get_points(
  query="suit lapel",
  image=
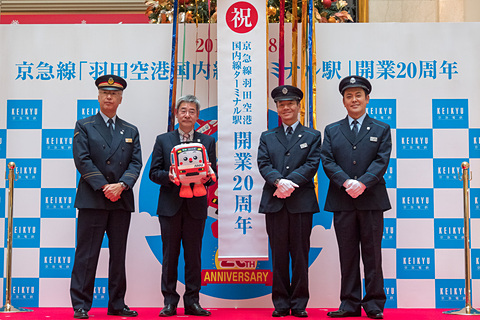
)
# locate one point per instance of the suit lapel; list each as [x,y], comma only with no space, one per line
[196,137]
[118,135]
[347,132]
[102,128]
[366,125]
[280,133]
[297,134]
[175,138]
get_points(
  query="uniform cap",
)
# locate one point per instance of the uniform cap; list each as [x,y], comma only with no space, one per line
[354,82]
[111,82]
[286,92]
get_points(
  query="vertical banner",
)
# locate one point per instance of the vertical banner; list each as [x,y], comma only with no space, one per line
[242,116]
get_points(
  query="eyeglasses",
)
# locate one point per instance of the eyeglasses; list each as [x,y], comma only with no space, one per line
[185,111]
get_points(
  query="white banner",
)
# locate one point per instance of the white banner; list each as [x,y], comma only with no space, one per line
[425,83]
[242,92]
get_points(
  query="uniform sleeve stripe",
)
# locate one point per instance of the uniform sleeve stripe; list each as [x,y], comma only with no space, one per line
[300,175]
[372,175]
[269,173]
[379,125]
[337,172]
[87,176]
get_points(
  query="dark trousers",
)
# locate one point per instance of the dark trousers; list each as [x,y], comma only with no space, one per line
[183,229]
[289,237]
[363,230]
[91,227]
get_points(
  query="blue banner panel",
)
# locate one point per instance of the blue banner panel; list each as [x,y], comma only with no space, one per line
[25,233]
[100,293]
[390,287]
[24,114]
[475,260]
[449,233]
[57,143]
[384,110]
[474,143]
[390,175]
[475,203]
[415,143]
[28,172]
[87,108]
[415,203]
[25,292]
[58,203]
[450,113]
[449,293]
[56,262]
[3,202]
[447,173]
[389,239]
[415,263]
[3,143]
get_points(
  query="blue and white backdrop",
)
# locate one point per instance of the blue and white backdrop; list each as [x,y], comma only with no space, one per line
[425,85]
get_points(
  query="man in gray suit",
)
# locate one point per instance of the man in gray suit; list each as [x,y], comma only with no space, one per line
[355,155]
[182,220]
[106,151]
[288,159]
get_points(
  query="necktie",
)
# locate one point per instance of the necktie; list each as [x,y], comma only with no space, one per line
[289,133]
[186,137]
[355,128]
[110,126]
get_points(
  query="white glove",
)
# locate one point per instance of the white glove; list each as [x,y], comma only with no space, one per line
[348,183]
[285,188]
[285,185]
[355,188]
[279,194]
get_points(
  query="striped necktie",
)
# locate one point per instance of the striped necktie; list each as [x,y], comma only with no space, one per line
[110,126]
[289,133]
[355,128]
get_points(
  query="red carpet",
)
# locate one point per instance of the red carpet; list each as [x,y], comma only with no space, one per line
[224,313]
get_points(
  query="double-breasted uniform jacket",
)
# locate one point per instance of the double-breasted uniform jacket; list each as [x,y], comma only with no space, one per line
[297,160]
[102,159]
[169,200]
[364,158]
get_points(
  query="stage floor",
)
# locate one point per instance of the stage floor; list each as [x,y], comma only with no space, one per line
[225,313]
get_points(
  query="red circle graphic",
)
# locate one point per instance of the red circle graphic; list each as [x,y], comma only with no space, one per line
[241,17]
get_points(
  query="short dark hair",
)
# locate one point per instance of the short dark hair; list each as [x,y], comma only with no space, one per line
[189,98]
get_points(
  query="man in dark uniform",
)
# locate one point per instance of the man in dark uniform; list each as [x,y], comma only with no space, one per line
[288,159]
[182,220]
[355,155]
[106,151]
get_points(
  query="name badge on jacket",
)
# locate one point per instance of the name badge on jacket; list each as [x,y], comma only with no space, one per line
[373,139]
[128,140]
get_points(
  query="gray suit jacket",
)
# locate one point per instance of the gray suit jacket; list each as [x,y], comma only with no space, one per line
[297,160]
[101,160]
[364,158]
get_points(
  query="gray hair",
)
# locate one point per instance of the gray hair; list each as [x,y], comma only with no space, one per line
[189,98]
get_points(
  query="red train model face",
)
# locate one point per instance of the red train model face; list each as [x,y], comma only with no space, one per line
[190,162]
[190,158]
